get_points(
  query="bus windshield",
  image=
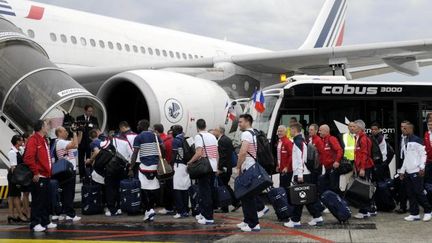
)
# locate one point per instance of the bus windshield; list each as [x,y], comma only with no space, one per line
[262,120]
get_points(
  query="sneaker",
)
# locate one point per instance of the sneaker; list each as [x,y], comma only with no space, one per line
[263,212]
[316,221]
[427,217]
[292,224]
[119,212]
[61,217]
[39,228]
[248,229]
[51,226]
[205,221]
[164,211]
[327,211]
[241,225]
[54,217]
[199,216]
[108,213]
[362,215]
[74,219]
[373,213]
[149,215]
[411,218]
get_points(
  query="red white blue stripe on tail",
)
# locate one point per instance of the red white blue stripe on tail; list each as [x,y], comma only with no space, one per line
[6,8]
[258,98]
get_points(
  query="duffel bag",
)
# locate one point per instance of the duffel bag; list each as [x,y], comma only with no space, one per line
[22,175]
[62,170]
[252,181]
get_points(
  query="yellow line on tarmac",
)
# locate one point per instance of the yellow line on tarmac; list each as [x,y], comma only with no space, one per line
[66,241]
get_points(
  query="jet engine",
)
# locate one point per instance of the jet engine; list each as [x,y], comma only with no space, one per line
[163,97]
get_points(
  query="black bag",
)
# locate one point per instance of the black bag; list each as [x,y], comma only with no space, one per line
[22,175]
[345,167]
[264,152]
[103,157]
[375,152]
[252,181]
[188,150]
[117,167]
[223,195]
[336,205]
[279,199]
[312,158]
[201,167]
[55,199]
[359,192]
[390,153]
[62,170]
[383,197]
[130,195]
[194,198]
[302,194]
[91,199]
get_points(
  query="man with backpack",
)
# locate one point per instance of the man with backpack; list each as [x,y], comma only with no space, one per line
[383,150]
[314,146]
[330,157]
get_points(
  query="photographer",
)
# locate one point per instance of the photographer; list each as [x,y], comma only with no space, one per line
[67,149]
[87,122]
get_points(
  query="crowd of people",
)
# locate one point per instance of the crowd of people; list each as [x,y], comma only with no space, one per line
[82,147]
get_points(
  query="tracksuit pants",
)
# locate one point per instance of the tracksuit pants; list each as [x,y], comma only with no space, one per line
[167,189]
[112,193]
[207,194]
[68,196]
[249,207]
[83,153]
[285,179]
[40,201]
[367,208]
[416,195]
[182,201]
[313,208]
[148,199]
[428,173]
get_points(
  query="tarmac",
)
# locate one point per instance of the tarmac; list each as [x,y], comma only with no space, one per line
[386,227]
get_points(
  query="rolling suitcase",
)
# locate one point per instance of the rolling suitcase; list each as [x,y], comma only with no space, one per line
[55,202]
[383,196]
[279,199]
[130,196]
[336,205]
[91,199]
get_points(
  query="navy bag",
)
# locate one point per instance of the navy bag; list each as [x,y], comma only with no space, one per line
[194,198]
[62,170]
[55,202]
[223,195]
[383,196]
[234,159]
[279,199]
[252,181]
[91,199]
[336,205]
[130,195]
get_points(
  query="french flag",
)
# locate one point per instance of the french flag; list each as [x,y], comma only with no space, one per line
[258,98]
[231,113]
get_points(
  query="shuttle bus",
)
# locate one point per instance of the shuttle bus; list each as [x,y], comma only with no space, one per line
[336,101]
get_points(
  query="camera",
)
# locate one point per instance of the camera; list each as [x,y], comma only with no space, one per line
[72,126]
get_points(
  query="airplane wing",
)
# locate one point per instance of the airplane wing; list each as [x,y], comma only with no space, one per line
[359,60]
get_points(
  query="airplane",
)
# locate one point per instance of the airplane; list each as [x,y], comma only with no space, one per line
[142,71]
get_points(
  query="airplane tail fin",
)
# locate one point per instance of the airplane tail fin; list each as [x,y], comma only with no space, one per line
[328,29]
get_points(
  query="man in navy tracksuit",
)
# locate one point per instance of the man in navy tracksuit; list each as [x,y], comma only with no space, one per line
[412,171]
[301,175]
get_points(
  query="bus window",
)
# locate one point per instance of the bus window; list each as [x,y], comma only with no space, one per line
[262,120]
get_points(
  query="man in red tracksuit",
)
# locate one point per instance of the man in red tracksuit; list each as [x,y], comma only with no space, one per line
[37,157]
[428,145]
[363,161]
[284,157]
[330,156]
[317,141]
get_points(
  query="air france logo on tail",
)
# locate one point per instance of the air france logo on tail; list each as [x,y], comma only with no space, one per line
[6,9]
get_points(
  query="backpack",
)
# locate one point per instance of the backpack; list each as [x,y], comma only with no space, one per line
[264,152]
[375,152]
[390,153]
[101,160]
[188,150]
[312,158]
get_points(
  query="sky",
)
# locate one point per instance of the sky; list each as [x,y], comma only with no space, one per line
[274,24]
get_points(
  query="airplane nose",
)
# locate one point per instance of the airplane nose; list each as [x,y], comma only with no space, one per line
[32,87]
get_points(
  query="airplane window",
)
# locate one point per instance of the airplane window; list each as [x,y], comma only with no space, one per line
[157,52]
[196,56]
[102,44]
[73,39]
[63,38]
[31,33]
[150,51]
[202,56]
[184,56]
[127,47]
[171,54]
[119,46]
[110,45]
[164,53]
[92,42]
[53,37]
[83,41]
[135,48]
[178,55]
[142,50]
[21,30]
[190,56]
